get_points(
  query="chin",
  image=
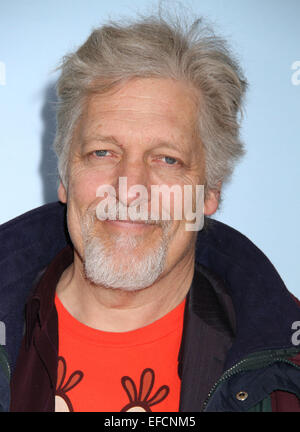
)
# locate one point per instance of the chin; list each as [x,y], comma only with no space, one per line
[128,270]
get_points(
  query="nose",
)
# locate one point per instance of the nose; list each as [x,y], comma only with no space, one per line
[133,183]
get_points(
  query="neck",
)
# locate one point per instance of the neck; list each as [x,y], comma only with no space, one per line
[118,310]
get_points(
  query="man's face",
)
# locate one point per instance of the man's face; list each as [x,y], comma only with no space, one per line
[144,131]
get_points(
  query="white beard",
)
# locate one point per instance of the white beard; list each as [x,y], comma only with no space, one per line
[135,269]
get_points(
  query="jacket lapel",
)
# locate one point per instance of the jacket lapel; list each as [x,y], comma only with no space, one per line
[208,334]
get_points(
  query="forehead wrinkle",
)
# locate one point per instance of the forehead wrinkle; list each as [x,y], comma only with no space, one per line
[162,107]
[103,110]
[134,114]
[90,133]
[109,139]
[98,121]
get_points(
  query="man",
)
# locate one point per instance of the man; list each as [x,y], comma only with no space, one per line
[126,309]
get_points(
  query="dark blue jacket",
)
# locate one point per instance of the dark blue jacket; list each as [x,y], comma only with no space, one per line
[258,362]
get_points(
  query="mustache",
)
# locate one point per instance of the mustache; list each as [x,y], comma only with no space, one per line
[98,213]
[132,213]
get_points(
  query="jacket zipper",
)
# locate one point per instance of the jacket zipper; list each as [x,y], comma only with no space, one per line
[254,361]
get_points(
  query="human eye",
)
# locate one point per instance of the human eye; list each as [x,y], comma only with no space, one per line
[101,157]
[167,161]
[170,160]
[101,153]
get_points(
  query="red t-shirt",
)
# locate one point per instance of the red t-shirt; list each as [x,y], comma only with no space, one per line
[111,372]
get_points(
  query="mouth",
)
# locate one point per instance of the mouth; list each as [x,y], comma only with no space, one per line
[131,225]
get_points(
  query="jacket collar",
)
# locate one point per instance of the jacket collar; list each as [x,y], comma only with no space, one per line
[208,334]
[208,329]
[264,308]
[41,305]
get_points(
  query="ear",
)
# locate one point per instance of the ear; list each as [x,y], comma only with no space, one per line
[62,193]
[212,200]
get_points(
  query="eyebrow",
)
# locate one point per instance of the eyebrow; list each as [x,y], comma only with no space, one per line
[107,139]
[110,139]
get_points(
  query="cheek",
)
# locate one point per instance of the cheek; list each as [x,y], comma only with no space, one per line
[181,243]
[81,197]
[83,188]
[177,202]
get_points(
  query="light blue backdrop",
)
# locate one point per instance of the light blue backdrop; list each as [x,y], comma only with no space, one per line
[263,199]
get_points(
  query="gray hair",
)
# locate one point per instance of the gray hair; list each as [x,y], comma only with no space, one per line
[157,46]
